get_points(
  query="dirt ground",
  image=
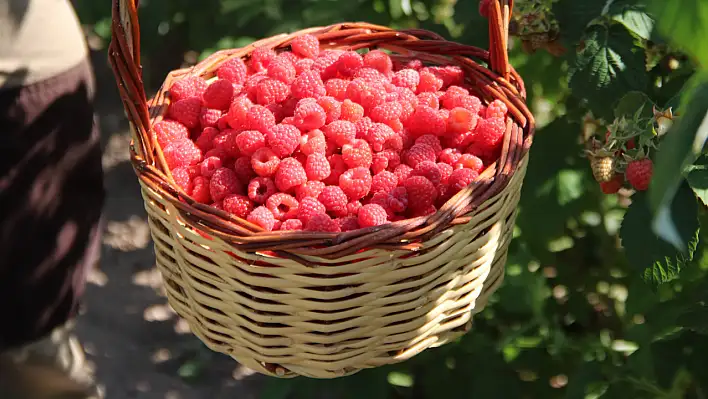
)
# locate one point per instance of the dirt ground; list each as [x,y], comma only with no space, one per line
[135,341]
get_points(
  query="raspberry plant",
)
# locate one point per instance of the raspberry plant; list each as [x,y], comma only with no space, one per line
[605,293]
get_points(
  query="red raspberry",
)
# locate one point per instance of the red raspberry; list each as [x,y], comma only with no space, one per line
[469,161]
[282,70]
[261,57]
[337,88]
[419,153]
[205,140]
[370,75]
[384,181]
[183,179]
[608,187]
[312,189]
[219,94]
[429,170]
[453,91]
[313,143]
[278,112]
[449,74]
[429,99]
[290,174]
[378,135]
[264,162]
[260,189]
[407,78]
[426,120]
[309,115]
[429,82]
[262,217]
[238,205]
[191,86]
[224,182]
[167,131]
[489,133]
[324,63]
[308,84]
[353,207]
[461,120]
[271,91]
[238,111]
[250,88]
[259,118]
[181,153]
[209,165]
[282,206]
[317,167]
[431,141]
[186,111]
[340,132]
[322,222]
[497,109]
[362,127]
[332,108]
[283,139]
[366,94]
[243,169]
[226,143]
[234,70]
[200,190]
[379,163]
[349,63]
[459,140]
[303,65]
[357,153]
[471,103]
[289,57]
[348,223]
[402,172]
[378,60]
[351,111]
[250,141]
[372,215]
[337,167]
[291,225]
[335,200]
[387,112]
[214,152]
[484,8]
[398,199]
[445,172]
[309,207]
[306,46]
[421,192]
[461,178]
[209,117]
[639,173]
[356,182]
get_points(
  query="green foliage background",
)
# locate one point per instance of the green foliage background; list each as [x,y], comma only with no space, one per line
[598,300]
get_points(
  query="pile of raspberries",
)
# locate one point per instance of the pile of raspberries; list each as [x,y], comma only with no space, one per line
[327,140]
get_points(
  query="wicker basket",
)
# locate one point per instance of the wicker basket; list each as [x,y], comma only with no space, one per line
[325,305]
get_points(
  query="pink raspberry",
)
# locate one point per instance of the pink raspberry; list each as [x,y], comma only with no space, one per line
[243,169]
[277,110]
[348,223]
[291,225]
[191,86]
[335,200]
[262,217]
[183,179]
[309,115]
[313,142]
[429,99]
[402,172]
[322,222]
[250,141]
[387,112]
[384,181]
[186,111]
[303,65]
[419,153]
[421,192]
[311,188]
[349,63]
[357,153]
[365,93]
[372,215]
[353,207]
[181,153]
[205,140]
[332,108]
[429,170]
[282,70]
[489,133]
[282,206]
[378,135]
[356,182]
[226,143]
[471,103]
[200,190]
[337,88]
[426,120]
[393,158]
[351,111]
[224,182]
[271,91]
[398,199]
[378,60]
[167,131]
[260,189]
[429,82]
[308,85]
[337,167]
[461,178]
[234,70]
[209,117]
[497,109]
[449,74]
[362,127]
[238,112]
[407,78]
[459,140]
[238,205]
[469,161]
[317,167]
[289,57]
[214,152]
[219,94]
[461,120]
[309,207]
[259,118]
[324,63]
[264,162]
[209,165]
[379,163]
[445,171]
[306,46]
[370,75]
[340,132]
[430,140]
[250,88]
[283,139]
[290,174]
[261,58]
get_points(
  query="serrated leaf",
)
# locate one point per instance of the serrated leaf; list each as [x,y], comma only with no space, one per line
[698,179]
[574,17]
[657,259]
[685,22]
[637,21]
[628,105]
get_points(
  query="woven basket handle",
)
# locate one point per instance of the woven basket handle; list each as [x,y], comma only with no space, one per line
[499,18]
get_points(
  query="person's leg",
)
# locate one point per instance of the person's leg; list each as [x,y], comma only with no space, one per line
[51,196]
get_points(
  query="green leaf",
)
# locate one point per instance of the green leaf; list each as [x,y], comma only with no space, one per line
[637,21]
[685,22]
[698,179]
[628,105]
[400,379]
[574,17]
[658,260]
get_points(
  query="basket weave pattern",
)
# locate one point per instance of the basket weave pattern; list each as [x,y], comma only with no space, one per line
[325,305]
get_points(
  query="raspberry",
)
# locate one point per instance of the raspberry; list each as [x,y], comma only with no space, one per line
[362,127]
[407,78]
[181,153]
[324,63]
[356,182]
[471,103]
[250,88]
[387,112]
[260,189]
[426,120]
[264,162]
[243,169]
[250,141]
[261,58]
[461,120]
[429,170]
[379,163]
[461,178]
[340,132]
[489,133]
[205,140]
[219,94]
[484,8]
[308,84]
[238,111]
[414,64]
[309,207]
[209,117]
[313,143]
[183,178]
[393,158]
[209,165]
[459,140]
[282,70]
[349,63]
[233,70]
[348,223]
[497,109]
[419,153]
[306,46]
[270,91]
[317,167]
[200,190]
[384,181]
[224,182]
[378,60]
[283,139]
[337,88]
[429,99]
[370,75]
[372,215]
[449,74]
[191,86]
[290,174]
[309,115]
[402,172]
[429,82]
[303,65]
[421,192]
[167,131]
[322,222]
[262,217]
[353,207]
[238,205]
[282,206]
[312,189]
[378,135]
[226,143]
[278,112]
[357,153]
[430,140]
[214,152]
[445,171]
[289,57]
[639,173]
[335,200]
[337,167]
[365,93]
[469,161]
[398,200]
[291,224]
[259,118]
[186,111]
[332,108]
[351,111]
[608,187]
